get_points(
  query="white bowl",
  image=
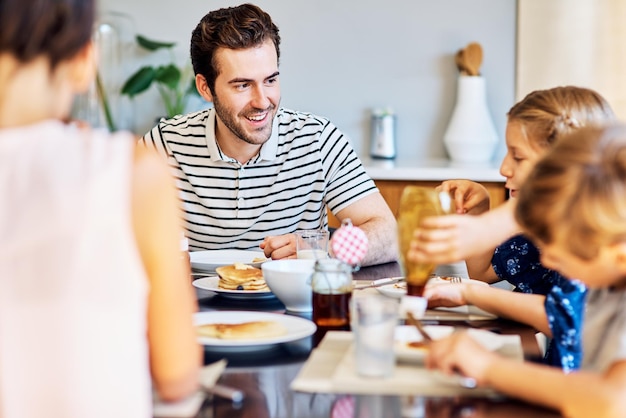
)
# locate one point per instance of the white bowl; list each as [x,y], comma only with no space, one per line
[290,281]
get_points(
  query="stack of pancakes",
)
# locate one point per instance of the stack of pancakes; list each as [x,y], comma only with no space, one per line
[241,277]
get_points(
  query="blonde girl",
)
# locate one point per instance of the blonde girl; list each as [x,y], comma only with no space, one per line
[554,305]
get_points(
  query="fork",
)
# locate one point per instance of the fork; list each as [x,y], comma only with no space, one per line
[455,279]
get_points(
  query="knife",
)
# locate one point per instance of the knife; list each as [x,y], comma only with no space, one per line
[382,282]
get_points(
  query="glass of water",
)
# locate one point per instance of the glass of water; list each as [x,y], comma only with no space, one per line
[312,244]
[374,322]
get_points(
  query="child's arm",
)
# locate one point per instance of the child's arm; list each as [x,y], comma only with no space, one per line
[521,307]
[578,394]
[497,226]
[452,238]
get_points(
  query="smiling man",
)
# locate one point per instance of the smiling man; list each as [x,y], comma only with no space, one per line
[249,172]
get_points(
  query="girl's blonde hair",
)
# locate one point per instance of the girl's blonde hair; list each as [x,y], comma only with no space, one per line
[576,194]
[546,115]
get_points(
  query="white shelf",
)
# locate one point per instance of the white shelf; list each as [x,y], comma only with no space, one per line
[430,170]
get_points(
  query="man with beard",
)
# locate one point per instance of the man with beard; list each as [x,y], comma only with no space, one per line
[249,172]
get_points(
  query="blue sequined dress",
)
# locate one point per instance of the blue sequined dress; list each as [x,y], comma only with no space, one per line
[517,261]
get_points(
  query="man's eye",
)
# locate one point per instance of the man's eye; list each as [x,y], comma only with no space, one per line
[272,80]
[241,86]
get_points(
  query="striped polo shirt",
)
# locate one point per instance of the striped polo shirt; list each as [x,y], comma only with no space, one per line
[306,165]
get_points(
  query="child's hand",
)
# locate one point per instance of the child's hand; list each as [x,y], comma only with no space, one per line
[445,294]
[469,196]
[460,353]
[445,239]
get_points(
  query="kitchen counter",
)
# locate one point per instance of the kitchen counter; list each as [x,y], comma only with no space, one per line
[430,170]
[392,176]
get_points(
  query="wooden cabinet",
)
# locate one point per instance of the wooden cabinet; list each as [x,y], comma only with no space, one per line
[391,191]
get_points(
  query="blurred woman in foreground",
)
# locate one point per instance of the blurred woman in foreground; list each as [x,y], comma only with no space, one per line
[95,302]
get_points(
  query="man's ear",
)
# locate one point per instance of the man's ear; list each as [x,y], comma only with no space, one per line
[84,67]
[203,88]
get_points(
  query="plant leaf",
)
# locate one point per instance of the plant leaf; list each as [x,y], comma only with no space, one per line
[153,45]
[191,89]
[139,81]
[168,75]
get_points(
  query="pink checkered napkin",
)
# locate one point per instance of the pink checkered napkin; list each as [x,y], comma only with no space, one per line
[343,407]
[349,243]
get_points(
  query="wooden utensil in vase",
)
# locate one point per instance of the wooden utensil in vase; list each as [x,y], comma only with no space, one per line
[459,59]
[473,58]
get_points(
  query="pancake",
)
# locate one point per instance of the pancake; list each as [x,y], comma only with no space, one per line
[419,345]
[241,277]
[243,331]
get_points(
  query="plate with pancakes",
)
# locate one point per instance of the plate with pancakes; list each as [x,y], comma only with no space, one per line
[249,330]
[209,260]
[239,281]
[409,345]
[397,290]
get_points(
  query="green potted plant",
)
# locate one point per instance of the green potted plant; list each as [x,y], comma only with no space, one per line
[175,85]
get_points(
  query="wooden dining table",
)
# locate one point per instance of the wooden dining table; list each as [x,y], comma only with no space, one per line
[265,376]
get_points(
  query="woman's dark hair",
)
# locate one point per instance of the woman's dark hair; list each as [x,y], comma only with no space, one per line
[57,29]
[241,27]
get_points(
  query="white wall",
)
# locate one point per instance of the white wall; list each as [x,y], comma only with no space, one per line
[578,42]
[341,58]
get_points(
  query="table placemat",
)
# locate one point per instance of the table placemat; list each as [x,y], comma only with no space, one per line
[331,369]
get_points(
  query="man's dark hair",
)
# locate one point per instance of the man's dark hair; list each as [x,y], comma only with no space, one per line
[241,27]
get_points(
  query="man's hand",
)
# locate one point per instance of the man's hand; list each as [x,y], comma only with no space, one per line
[279,246]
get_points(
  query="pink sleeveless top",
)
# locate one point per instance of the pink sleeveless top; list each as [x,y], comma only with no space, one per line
[72,286]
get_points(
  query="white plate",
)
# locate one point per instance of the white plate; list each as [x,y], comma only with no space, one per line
[211,283]
[209,260]
[397,290]
[394,290]
[407,333]
[297,328]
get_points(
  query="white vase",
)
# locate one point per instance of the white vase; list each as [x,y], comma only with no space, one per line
[470,136]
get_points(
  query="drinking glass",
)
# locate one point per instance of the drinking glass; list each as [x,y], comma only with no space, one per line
[417,203]
[312,244]
[374,322]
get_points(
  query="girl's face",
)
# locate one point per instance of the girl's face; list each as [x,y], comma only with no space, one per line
[605,270]
[520,157]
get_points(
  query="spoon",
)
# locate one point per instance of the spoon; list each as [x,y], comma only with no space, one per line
[473,55]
